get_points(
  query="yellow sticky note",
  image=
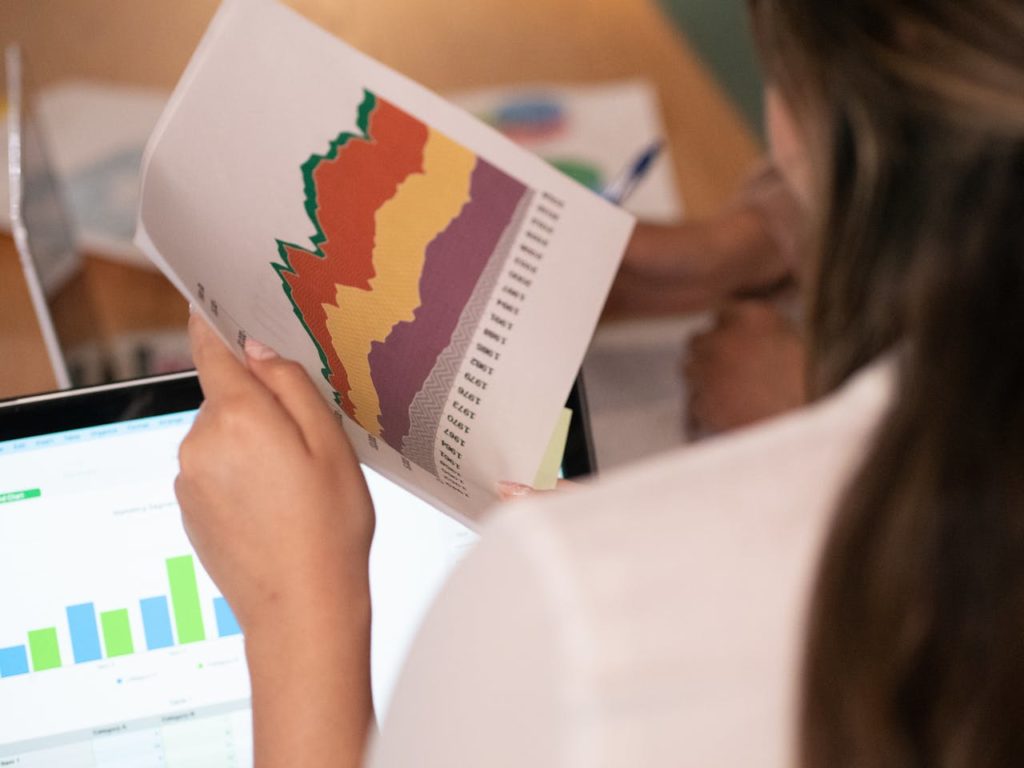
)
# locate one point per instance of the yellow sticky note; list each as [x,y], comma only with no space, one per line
[547,475]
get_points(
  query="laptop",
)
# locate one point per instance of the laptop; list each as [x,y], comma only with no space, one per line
[116,648]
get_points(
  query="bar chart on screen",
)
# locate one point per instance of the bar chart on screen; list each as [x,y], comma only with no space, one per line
[94,635]
[111,632]
[116,647]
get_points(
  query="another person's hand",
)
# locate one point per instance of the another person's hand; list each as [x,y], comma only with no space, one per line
[749,367]
[748,248]
[270,489]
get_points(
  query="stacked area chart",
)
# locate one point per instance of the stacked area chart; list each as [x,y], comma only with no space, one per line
[412,231]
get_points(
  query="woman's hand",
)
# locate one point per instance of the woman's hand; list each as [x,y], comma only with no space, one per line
[749,367]
[276,505]
[270,490]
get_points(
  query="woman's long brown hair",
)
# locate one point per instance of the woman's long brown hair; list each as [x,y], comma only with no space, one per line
[915,108]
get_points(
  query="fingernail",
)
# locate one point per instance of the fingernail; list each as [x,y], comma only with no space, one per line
[508,490]
[191,308]
[258,350]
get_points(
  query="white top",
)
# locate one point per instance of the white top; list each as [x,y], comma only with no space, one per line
[653,619]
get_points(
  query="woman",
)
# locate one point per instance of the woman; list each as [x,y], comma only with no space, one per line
[842,587]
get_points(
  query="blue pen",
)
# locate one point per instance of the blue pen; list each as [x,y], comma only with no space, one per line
[623,185]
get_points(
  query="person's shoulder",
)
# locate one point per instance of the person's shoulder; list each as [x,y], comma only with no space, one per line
[680,585]
[789,462]
[653,619]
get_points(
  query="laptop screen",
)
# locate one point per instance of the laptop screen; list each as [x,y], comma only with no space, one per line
[116,648]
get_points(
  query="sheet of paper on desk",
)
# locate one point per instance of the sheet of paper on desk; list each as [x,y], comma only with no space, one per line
[589,131]
[94,135]
[439,283]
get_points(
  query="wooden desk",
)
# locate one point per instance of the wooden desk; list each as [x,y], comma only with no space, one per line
[122,299]
[24,366]
[446,44]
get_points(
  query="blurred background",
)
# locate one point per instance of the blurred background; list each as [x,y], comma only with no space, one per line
[562,77]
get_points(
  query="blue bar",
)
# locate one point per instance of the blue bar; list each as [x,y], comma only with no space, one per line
[227,624]
[85,636]
[13,661]
[156,622]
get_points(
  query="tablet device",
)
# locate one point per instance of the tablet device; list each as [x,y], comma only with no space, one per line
[79,350]
[116,648]
[40,225]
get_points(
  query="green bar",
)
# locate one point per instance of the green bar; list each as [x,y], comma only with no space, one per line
[10,496]
[117,633]
[188,617]
[43,647]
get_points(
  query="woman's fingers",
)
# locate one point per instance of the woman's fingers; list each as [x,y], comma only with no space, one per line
[239,401]
[288,382]
[509,491]
[270,384]
[221,374]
